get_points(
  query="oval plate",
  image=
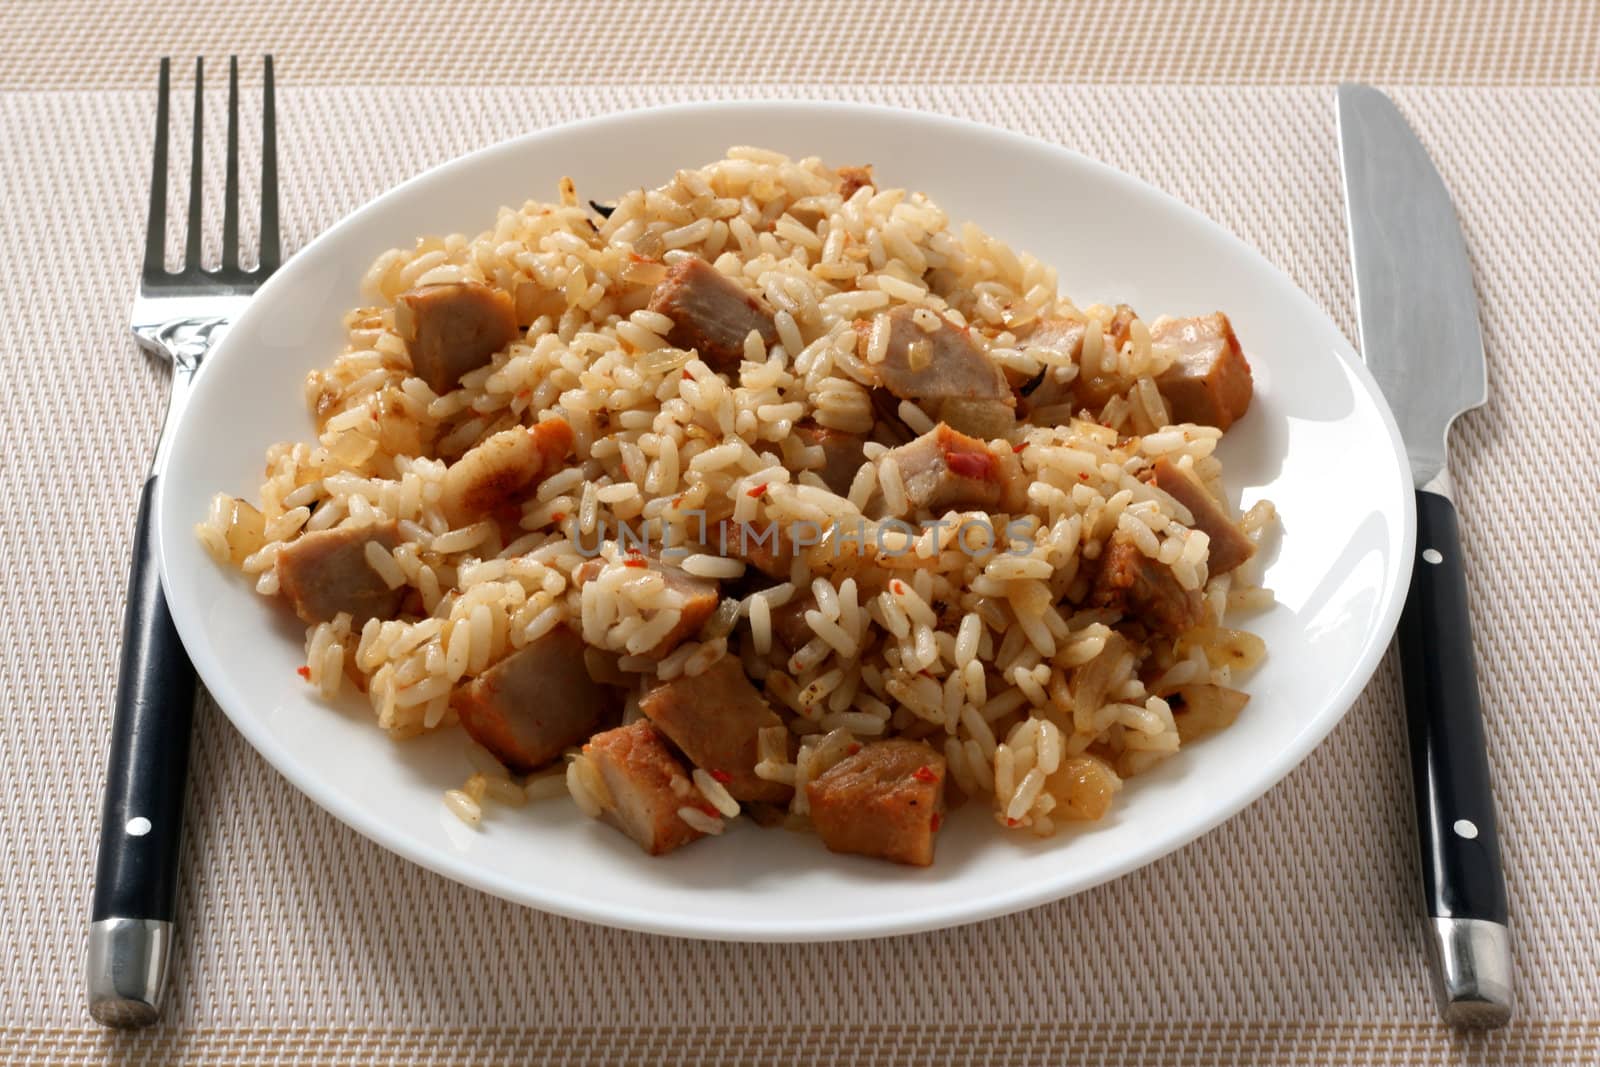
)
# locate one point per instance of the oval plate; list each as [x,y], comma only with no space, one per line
[1319,442]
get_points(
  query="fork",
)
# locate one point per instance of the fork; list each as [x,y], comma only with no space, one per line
[176,317]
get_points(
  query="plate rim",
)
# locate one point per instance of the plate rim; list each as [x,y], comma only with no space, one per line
[789,929]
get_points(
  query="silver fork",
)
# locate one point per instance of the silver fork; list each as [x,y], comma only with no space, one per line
[178,317]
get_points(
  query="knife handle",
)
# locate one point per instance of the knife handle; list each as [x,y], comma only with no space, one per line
[1463,886]
[136,870]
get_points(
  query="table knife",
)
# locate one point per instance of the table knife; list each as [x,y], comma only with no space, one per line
[1420,338]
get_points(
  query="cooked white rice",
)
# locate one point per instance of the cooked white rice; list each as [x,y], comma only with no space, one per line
[1039,707]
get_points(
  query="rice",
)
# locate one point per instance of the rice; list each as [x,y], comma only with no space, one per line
[995,648]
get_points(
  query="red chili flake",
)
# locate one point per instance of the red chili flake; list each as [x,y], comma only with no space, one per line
[635,561]
[934,823]
[855,746]
[304,672]
[758,492]
[1018,448]
[524,394]
[1013,822]
[707,807]
[688,377]
[898,586]
[559,516]
[925,774]
[1082,476]
[722,776]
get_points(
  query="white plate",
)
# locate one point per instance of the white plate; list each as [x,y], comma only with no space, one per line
[1318,441]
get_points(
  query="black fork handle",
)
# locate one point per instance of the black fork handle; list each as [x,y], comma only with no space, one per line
[141,825]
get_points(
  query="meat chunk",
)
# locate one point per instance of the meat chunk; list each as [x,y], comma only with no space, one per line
[853,178]
[1210,383]
[1229,546]
[945,468]
[1136,585]
[453,328]
[710,313]
[700,595]
[1064,336]
[503,470]
[645,786]
[842,454]
[887,800]
[326,571]
[790,631]
[715,718]
[945,372]
[1093,388]
[761,546]
[536,703]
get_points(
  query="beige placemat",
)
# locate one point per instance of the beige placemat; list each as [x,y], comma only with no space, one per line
[1286,936]
[60,44]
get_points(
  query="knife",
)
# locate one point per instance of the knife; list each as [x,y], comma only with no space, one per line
[1420,339]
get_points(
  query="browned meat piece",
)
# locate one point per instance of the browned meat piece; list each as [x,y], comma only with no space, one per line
[1136,585]
[453,328]
[710,313]
[325,572]
[841,454]
[715,718]
[887,800]
[1061,335]
[944,468]
[945,372]
[1210,383]
[646,785]
[761,545]
[503,470]
[700,596]
[853,178]
[790,631]
[537,702]
[1091,391]
[1229,546]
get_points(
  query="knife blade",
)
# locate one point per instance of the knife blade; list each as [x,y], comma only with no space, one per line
[1418,315]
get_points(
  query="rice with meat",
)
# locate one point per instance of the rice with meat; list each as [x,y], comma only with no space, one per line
[987,636]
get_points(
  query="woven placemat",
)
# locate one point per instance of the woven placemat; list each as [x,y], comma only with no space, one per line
[1286,936]
[59,44]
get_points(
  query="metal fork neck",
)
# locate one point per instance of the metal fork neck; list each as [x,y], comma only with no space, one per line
[185,341]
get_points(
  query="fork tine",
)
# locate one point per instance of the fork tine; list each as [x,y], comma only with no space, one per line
[270,250]
[191,256]
[230,195]
[155,239]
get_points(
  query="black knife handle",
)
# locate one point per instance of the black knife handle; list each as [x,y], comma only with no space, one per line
[1461,874]
[136,871]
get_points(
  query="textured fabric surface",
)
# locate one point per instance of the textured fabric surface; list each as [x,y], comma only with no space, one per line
[1288,935]
[57,44]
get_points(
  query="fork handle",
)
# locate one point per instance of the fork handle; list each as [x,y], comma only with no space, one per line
[141,824]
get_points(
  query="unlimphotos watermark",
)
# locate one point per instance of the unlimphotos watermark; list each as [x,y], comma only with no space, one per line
[890,537]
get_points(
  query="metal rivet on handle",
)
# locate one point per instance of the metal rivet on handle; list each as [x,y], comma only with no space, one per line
[1465,828]
[138,826]
[1432,555]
